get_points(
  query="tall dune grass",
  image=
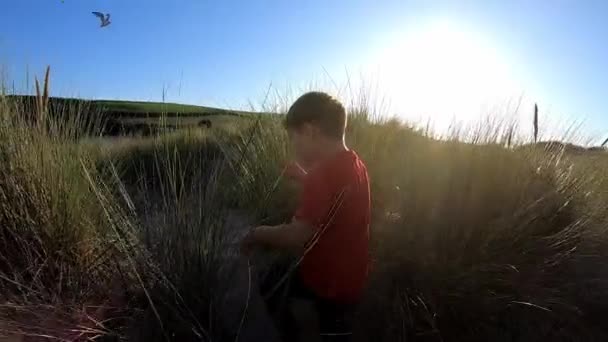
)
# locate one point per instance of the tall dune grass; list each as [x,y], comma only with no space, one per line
[472,241]
[56,253]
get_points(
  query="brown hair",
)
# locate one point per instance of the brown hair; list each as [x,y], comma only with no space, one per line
[321,110]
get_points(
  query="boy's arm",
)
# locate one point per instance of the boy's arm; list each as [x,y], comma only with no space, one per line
[316,201]
[291,236]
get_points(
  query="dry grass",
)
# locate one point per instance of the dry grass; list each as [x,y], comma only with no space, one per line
[56,250]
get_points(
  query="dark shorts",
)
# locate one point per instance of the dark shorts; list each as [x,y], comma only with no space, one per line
[335,319]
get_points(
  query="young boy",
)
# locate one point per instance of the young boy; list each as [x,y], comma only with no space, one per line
[329,232]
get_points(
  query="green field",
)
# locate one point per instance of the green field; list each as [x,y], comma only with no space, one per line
[152,107]
[156,109]
[135,117]
[136,238]
[114,108]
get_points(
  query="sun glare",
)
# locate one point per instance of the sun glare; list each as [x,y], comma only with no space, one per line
[443,72]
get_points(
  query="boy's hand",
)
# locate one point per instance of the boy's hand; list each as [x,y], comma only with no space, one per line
[255,238]
[289,237]
[248,243]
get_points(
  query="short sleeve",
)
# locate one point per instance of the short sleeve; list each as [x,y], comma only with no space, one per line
[318,195]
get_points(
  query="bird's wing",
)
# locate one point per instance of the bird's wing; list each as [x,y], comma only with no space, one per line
[98,15]
[108,16]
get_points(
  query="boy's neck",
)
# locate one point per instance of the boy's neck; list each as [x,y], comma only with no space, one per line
[332,147]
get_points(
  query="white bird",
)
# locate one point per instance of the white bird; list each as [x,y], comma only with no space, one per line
[105,19]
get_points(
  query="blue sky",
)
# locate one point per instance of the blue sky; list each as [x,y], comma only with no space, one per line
[228,52]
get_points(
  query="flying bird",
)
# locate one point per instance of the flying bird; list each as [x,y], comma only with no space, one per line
[105,18]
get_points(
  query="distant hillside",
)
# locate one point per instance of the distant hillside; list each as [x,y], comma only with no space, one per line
[155,109]
[557,146]
[131,109]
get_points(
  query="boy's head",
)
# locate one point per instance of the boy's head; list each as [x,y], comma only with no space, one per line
[314,121]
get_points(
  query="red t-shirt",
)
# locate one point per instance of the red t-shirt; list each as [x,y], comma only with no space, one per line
[336,201]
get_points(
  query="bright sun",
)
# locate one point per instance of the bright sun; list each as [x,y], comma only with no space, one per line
[443,72]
